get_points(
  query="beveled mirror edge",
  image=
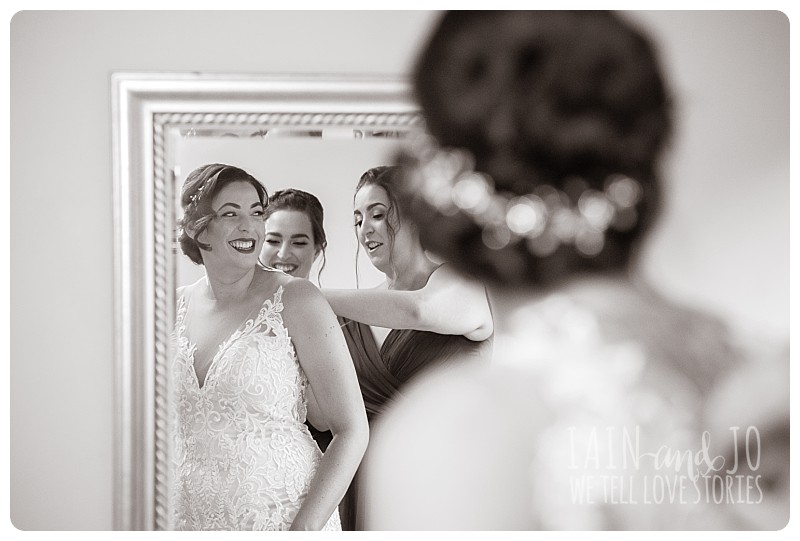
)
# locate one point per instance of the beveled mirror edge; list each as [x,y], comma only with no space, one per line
[145,106]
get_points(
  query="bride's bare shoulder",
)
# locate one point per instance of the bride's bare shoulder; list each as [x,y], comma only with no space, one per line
[293,288]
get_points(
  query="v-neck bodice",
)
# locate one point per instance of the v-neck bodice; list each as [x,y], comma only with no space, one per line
[243,457]
[249,324]
[259,349]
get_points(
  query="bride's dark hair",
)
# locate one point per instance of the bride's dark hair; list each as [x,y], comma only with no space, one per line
[564,99]
[199,189]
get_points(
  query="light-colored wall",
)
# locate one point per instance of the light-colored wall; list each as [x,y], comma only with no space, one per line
[725,229]
[723,242]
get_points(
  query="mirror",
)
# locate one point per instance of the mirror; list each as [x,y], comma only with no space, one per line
[326,162]
[314,133]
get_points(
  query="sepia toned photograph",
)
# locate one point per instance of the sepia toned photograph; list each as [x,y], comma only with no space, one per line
[398,270]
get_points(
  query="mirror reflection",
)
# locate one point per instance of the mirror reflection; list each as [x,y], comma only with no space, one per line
[262,357]
[274,392]
[324,162]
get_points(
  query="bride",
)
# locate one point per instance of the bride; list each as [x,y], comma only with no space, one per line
[251,343]
[540,176]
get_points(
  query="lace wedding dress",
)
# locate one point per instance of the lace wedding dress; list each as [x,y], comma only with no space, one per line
[584,419]
[244,460]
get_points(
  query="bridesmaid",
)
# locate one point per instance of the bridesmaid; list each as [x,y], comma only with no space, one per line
[295,236]
[423,315]
[294,240]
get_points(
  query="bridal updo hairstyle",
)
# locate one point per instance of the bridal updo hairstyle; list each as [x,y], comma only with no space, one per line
[561,99]
[198,191]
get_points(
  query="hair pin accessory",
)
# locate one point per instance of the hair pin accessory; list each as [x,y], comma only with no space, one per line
[544,219]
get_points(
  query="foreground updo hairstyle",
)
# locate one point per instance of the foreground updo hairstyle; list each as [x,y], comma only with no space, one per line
[199,190]
[561,99]
[308,204]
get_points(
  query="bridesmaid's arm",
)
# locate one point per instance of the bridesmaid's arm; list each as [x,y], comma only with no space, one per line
[448,304]
[325,359]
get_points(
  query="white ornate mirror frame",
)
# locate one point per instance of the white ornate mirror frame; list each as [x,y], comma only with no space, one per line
[149,109]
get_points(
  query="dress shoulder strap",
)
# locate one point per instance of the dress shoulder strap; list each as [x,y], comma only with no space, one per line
[181,304]
[269,315]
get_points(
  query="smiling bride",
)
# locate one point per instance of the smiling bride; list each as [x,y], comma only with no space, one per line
[250,343]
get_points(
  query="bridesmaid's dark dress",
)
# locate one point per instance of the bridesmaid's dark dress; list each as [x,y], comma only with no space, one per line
[383,372]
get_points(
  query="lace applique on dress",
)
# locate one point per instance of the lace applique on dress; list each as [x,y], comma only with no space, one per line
[621,419]
[242,455]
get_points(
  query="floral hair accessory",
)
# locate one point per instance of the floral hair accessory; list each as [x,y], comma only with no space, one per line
[544,219]
[194,199]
